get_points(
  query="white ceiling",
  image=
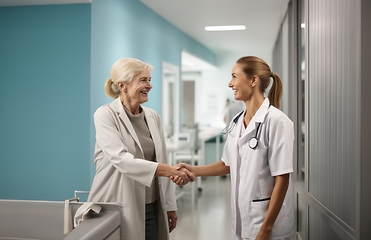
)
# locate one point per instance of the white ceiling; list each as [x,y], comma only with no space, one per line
[262,19]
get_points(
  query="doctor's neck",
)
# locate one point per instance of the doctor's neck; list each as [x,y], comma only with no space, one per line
[252,106]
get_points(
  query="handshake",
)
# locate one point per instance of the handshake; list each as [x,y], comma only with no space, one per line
[182,173]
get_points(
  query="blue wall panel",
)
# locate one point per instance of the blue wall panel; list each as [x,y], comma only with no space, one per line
[54,60]
[44,101]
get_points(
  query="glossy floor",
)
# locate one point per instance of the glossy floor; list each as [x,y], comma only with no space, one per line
[204,215]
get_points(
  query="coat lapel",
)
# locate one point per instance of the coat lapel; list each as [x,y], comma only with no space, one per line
[116,105]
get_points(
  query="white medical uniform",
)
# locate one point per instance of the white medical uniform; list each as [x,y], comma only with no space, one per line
[252,171]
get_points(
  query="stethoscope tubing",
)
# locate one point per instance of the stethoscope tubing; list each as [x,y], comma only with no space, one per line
[232,124]
[253,142]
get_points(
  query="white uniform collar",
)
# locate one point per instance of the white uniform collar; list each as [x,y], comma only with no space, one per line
[258,117]
[262,111]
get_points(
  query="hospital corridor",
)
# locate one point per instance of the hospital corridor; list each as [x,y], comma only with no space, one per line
[104,104]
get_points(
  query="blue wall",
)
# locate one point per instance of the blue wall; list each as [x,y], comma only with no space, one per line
[130,29]
[44,101]
[54,60]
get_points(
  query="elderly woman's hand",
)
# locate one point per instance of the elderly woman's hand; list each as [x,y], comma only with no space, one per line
[182,175]
[183,169]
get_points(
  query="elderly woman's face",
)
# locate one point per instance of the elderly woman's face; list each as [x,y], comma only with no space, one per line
[138,88]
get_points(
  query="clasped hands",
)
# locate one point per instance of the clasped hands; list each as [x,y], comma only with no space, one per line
[182,174]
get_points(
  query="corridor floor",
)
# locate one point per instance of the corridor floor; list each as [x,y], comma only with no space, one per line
[207,216]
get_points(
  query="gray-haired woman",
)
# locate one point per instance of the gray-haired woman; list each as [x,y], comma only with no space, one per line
[130,155]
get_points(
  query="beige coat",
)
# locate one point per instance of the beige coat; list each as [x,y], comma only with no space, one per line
[122,174]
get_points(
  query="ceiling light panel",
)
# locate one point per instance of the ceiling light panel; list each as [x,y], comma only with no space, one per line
[225,28]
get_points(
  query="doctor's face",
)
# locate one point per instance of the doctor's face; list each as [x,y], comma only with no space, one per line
[139,87]
[240,84]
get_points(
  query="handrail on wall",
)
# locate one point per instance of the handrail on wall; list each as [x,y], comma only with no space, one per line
[79,192]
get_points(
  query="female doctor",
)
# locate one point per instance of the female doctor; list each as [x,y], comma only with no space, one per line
[258,154]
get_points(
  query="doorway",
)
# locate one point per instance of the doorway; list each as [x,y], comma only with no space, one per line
[170,99]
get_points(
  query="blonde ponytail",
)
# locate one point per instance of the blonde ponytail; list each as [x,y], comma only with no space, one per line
[253,65]
[275,92]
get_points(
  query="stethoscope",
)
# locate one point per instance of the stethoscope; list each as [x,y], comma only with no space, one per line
[253,142]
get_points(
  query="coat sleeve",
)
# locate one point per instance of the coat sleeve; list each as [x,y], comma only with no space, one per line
[114,149]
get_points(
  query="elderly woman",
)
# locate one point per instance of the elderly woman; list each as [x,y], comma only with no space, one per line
[130,155]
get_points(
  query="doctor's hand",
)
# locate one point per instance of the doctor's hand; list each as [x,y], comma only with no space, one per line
[185,168]
[181,176]
[263,235]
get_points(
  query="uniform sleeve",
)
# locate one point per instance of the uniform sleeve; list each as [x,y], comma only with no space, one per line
[225,154]
[115,150]
[281,146]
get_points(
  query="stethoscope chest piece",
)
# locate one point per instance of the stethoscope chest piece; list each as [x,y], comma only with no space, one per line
[253,143]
